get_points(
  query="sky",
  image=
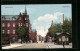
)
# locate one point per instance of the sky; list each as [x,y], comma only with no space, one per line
[40,15]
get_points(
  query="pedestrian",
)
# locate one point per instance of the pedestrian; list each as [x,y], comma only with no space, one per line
[63,44]
[41,41]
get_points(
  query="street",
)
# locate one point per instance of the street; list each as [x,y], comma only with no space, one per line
[35,46]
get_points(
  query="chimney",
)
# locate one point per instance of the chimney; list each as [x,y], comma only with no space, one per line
[63,18]
[52,23]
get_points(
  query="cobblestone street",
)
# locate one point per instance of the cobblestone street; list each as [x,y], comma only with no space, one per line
[35,46]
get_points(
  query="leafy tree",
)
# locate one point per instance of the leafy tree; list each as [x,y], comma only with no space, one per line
[67,26]
[21,31]
[5,38]
[52,30]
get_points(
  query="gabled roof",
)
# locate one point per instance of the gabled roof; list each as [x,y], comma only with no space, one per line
[58,33]
[9,17]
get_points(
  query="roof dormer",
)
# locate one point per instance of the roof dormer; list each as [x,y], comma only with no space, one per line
[13,18]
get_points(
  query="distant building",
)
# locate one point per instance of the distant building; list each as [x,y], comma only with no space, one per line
[33,36]
[60,37]
[48,38]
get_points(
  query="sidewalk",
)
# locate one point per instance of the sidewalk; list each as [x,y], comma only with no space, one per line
[12,46]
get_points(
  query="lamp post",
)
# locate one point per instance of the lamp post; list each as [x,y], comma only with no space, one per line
[26,39]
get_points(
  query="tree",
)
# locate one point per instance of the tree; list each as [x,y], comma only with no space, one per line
[21,31]
[54,29]
[67,26]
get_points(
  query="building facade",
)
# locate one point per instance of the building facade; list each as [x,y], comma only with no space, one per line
[62,37]
[11,22]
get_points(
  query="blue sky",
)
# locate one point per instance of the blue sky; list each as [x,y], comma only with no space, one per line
[40,15]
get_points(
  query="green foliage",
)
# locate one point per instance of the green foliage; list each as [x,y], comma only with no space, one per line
[21,31]
[5,38]
[67,25]
[54,29]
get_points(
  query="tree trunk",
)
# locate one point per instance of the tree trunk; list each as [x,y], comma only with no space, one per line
[21,40]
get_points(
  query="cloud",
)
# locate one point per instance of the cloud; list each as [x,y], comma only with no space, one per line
[47,17]
[42,23]
[42,32]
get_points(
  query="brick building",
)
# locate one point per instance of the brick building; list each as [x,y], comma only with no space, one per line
[47,35]
[33,36]
[11,22]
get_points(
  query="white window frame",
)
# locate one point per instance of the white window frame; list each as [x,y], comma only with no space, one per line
[8,31]
[13,18]
[13,24]
[3,31]
[3,25]
[59,39]
[19,24]
[26,24]
[13,38]
[13,31]
[8,24]
[67,39]
[25,18]
[63,38]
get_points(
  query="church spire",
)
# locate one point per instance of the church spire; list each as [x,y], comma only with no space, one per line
[25,10]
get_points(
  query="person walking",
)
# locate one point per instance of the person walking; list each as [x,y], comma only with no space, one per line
[63,44]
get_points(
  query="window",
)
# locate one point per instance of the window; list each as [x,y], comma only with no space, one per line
[3,25]
[3,31]
[20,18]
[8,31]
[13,31]
[8,24]
[26,24]
[13,38]
[19,24]
[67,39]
[13,24]
[25,18]
[13,18]
[63,38]
[59,39]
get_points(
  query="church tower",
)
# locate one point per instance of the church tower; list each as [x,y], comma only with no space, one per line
[26,18]
[25,11]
